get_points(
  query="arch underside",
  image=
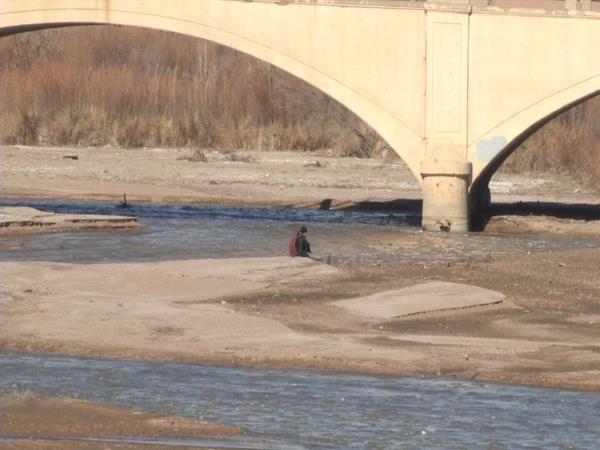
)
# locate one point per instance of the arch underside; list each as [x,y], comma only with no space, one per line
[513,132]
[405,141]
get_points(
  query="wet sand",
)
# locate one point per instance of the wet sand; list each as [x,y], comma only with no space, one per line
[23,220]
[531,321]
[57,423]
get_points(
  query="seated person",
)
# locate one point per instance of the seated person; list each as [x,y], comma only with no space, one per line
[299,246]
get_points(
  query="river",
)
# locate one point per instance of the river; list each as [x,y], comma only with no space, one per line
[195,231]
[294,409]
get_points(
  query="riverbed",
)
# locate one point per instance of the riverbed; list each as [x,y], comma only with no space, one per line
[545,333]
[205,283]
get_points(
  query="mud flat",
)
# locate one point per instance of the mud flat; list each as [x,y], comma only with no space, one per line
[167,176]
[58,423]
[24,220]
[531,321]
[543,225]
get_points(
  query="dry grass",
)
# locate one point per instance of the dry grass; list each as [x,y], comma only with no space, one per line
[198,155]
[568,144]
[137,88]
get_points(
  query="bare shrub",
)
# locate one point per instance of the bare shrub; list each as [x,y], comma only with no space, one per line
[9,129]
[133,87]
[197,155]
[239,157]
[569,143]
[59,129]
[22,128]
[129,133]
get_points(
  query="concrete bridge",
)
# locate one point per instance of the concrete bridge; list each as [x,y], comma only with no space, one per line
[453,86]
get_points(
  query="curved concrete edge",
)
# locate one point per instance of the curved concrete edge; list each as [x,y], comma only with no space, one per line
[423,298]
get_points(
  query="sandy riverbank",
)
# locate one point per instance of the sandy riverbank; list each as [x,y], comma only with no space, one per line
[534,321]
[278,179]
[23,220]
[57,423]
[164,175]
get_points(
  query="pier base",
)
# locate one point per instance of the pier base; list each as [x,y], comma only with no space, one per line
[445,196]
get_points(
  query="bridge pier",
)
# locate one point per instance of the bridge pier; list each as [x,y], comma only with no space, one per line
[480,200]
[445,190]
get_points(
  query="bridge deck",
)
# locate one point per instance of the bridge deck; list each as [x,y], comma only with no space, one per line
[504,5]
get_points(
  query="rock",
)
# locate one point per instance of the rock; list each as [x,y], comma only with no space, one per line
[314,163]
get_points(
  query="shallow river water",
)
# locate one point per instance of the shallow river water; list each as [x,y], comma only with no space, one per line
[293,409]
[187,232]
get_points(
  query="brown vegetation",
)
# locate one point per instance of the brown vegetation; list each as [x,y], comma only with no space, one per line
[569,143]
[132,87]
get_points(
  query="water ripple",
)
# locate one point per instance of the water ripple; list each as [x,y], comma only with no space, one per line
[324,411]
[190,232]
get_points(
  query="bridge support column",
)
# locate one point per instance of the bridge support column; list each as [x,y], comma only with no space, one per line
[445,169]
[445,196]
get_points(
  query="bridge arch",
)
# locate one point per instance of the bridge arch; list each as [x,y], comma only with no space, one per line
[510,134]
[404,139]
